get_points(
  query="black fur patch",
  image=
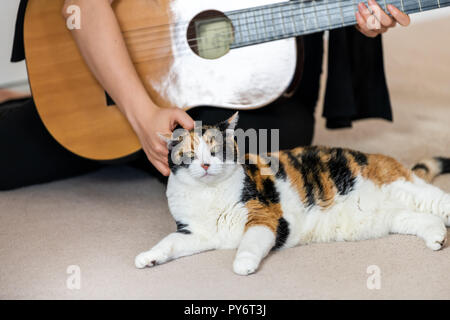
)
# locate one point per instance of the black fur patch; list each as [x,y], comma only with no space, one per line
[309,187]
[282,233]
[269,192]
[174,167]
[340,173]
[445,164]
[267,195]
[420,166]
[313,165]
[359,157]
[182,228]
[281,173]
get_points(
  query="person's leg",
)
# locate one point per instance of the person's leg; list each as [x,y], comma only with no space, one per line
[28,153]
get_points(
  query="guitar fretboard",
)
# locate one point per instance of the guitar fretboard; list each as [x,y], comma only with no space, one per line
[301,17]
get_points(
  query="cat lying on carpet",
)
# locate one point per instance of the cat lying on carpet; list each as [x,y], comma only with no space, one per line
[317,194]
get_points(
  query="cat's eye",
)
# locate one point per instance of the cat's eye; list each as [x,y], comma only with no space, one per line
[189,154]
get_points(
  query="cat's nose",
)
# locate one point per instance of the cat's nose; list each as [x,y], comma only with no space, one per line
[205,166]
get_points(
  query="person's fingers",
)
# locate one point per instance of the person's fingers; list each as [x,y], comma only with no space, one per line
[183,119]
[362,26]
[164,169]
[364,11]
[380,15]
[383,30]
[161,149]
[399,16]
[160,166]
[159,153]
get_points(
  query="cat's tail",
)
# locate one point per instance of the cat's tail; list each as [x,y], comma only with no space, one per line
[429,169]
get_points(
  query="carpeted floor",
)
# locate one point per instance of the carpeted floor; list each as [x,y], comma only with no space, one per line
[101,221]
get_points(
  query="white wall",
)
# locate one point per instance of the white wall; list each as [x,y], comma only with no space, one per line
[430,15]
[9,72]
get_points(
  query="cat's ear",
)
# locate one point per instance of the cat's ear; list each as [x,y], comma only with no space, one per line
[231,123]
[166,137]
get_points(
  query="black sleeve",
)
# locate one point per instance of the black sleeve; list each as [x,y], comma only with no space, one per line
[18,52]
[356,84]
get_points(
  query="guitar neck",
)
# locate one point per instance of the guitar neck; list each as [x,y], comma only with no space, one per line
[296,18]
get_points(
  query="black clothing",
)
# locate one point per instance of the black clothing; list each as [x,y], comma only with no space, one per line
[31,155]
[355,70]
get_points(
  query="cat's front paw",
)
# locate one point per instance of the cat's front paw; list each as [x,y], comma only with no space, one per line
[149,259]
[436,238]
[245,265]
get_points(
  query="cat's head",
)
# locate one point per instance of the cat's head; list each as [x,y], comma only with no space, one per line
[206,154]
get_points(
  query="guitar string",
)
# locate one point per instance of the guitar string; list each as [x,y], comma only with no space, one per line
[251,29]
[311,30]
[188,50]
[288,35]
[307,10]
[243,25]
[325,7]
[306,4]
[239,11]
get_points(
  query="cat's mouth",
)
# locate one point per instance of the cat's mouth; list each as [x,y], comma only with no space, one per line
[207,174]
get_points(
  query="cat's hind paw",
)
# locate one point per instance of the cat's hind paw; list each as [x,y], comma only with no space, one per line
[245,265]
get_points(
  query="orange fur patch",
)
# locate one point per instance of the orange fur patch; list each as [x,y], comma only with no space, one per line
[263,215]
[383,170]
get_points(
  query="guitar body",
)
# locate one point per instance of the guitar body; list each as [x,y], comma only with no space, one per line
[73,105]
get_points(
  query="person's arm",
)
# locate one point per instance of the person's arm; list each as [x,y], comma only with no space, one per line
[383,21]
[101,43]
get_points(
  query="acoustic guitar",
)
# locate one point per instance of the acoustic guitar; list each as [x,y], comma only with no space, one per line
[238,54]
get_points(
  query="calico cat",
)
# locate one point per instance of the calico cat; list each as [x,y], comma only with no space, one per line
[317,194]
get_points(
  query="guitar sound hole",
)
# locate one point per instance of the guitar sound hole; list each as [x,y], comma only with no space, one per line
[210,34]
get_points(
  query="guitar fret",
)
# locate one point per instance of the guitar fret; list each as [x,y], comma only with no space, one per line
[244,27]
[267,27]
[248,26]
[263,22]
[335,15]
[241,37]
[311,19]
[342,13]
[349,9]
[355,6]
[273,22]
[315,13]
[283,24]
[294,24]
[280,21]
[303,15]
[328,13]
[396,3]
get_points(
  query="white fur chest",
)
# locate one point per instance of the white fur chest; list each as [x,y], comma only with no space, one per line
[210,211]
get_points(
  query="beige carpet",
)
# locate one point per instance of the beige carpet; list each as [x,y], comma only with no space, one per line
[101,221]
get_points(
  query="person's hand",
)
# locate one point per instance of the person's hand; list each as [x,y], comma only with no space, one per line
[151,121]
[378,22]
